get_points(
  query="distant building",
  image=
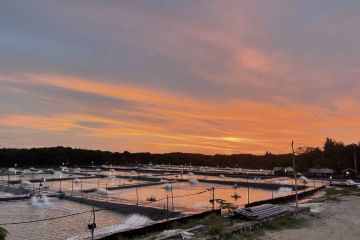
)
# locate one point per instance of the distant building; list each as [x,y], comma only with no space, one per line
[283,171]
[321,172]
[349,173]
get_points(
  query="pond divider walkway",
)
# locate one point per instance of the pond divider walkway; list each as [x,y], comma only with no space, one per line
[287,198]
[150,212]
[128,186]
[18,193]
[55,179]
[14,198]
[158,226]
[259,185]
[141,178]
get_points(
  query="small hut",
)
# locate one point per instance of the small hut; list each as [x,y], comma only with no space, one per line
[321,172]
[349,173]
[284,171]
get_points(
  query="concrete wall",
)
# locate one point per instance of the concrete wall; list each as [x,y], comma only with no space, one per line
[150,212]
[285,199]
[260,185]
[159,226]
[127,186]
[141,178]
[14,190]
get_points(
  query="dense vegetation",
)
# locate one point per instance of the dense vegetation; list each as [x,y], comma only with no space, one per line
[334,155]
[3,233]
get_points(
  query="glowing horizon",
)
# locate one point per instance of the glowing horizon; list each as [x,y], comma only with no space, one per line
[172,77]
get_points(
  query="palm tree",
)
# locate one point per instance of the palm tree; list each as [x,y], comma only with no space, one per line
[3,233]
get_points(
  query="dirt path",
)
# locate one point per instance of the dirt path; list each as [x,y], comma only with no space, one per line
[336,220]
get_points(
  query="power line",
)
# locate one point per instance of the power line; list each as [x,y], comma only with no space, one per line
[89,211]
[45,219]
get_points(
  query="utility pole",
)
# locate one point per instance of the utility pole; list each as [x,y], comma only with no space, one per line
[33,182]
[248,189]
[212,197]
[137,196]
[106,192]
[82,193]
[93,225]
[167,207]
[40,184]
[355,163]
[296,193]
[172,198]
[72,186]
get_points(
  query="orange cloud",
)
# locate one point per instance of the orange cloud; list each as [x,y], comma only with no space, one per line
[188,125]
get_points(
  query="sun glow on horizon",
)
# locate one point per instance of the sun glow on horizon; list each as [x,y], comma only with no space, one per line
[131,76]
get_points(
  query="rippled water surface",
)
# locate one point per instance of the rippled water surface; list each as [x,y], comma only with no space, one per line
[63,228]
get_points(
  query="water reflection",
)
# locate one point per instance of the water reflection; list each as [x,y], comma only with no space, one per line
[55,229]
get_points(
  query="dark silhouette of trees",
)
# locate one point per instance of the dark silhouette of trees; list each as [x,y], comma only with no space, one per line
[335,154]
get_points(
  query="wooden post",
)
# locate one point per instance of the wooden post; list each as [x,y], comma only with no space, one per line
[72,186]
[167,207]
[39,188]
[33,183]
[295,184]
[355,164]
[172,198]
[93,225]
[248,189]
[213,198]
[137,196]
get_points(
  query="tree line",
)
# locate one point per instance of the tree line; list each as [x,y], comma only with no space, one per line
[334,154]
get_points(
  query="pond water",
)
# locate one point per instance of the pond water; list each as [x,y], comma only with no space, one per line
[28,210]
[91,183]
[78,184]
[189,196]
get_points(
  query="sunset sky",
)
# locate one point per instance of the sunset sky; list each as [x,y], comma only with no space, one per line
[207,76]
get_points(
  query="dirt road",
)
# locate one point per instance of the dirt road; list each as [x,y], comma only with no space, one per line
[334,220]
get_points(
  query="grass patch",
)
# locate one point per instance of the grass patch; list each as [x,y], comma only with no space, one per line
[333,192]
[244,236]
[188,224]
[275,225]
[285,223]
[215,224]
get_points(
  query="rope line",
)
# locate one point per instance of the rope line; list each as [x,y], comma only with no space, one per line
[89,211]
[45,219]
